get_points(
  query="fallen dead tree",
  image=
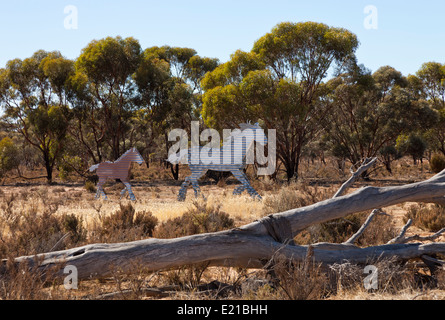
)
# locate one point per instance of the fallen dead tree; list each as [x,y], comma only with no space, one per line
[253,245]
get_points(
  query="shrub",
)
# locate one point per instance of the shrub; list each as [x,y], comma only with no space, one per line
[126,225]
[393,277]
[29,232]
[437,163]
[335,231]
[8,156]
[90,186]
[428,218]
[300,280]
[74,225]
[294,196]
[202,218]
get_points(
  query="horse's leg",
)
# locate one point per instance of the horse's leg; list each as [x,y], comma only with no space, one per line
[194,179]
[100,189]
[128,187]
[183,191]
[238,190]
[97,195]
[124,190]
[246,185]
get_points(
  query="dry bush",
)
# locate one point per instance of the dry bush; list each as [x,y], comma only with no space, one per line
[28,232]
[427,217]
[90,187]
[58,190]
[73,225]
[295,195]
[299,195]
[201,218]
[124,225]
[130,283]
[23,282]
[187,277]
[437,163]
[335,231]
[266,184]
[300,280]
[380,231]
[392,277]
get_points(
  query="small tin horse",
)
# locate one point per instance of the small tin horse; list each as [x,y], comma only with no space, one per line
[119,169]
[230,157]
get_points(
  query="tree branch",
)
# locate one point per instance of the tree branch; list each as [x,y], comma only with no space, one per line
[368,221]
[251,246]
[402,239]
[367,163]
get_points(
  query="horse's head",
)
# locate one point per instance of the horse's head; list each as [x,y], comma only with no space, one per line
[135,156]
[258,133]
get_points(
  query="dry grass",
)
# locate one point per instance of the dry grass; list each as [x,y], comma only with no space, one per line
[427,217]
[34,218]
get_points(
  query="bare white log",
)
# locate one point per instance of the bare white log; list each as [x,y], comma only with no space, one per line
[254,244]
[362,229]
[401,238]
[230,248]
[365,199]
[366,165]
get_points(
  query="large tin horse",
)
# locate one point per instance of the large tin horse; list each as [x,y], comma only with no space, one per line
[119,169]
[230,158]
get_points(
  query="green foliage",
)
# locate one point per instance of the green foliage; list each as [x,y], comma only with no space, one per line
[8,156]
[90,187]
[73,225]
[412,144]
[368,112]
[279,82]
[68,165]
[110,60]
[28,88]
[77,112]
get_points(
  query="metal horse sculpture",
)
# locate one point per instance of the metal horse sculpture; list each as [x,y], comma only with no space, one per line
[118,169]
[238,144]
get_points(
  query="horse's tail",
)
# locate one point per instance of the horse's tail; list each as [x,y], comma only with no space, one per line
[175,158]
[94,167]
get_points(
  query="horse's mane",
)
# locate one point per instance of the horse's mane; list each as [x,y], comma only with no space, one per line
[120,158]
[237,132]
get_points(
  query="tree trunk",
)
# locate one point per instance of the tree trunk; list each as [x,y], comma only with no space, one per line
[48,167]
[175,171]
[253,245]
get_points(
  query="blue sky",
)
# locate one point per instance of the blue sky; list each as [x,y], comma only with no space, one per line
[409,33]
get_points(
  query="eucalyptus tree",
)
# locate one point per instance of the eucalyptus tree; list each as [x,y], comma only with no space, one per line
[170,95]
[280,84]
[108,65]
[429,85]
[369,111]
[34,101]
